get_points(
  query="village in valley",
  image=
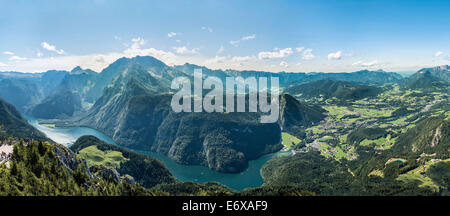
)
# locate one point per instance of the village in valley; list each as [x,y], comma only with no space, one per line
[394,112]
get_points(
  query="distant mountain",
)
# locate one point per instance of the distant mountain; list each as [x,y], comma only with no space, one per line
[333,89]
[61,104]
[425,80]
[441,72]
[286,79]
[25,90]
[132,82]
[69,96]
[152,66]
[12,124]
[378,77]
[80,82]
[81,89]
[22,93]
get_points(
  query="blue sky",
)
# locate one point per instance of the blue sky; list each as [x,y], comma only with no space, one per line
[296,36]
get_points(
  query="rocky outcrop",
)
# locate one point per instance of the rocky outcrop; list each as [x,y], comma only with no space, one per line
[128,179]
[437,137]
[146,171]
[105,173]
[68,159]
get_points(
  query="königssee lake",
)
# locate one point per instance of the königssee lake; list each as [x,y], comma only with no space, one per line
[251,177]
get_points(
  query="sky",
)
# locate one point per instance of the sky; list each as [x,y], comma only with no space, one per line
[293,36]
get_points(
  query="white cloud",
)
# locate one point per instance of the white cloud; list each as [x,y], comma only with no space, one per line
[371,64]
[167,57]
[185,50]
[231,61]
[8,53]
[217,59]
[207,29]
[39,54]
[137,42]
[335,56]
[234,43]
[284,64]
[96,61]
[242,58]
[17,58]
[279,54]
[307,54]
[357,63]
[438,53]
[221,49]
[245,38]
[3,64]
[99,59]
[300,49]
[52,48]
[250,37]
[171,34]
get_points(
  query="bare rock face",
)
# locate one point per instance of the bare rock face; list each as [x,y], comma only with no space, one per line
[128,179]
[437,137]
[69,159]
[105,173]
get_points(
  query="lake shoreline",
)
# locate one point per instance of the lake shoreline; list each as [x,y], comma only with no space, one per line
[250,177]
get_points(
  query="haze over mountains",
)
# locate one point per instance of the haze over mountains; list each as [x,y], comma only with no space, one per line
[44,88]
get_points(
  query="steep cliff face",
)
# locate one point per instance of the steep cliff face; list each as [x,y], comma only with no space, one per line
[295,115]
[69,160]
[221,141]
[426,80]
[69,97]
[24,90]
[12,124]
[441,72]
[59,105]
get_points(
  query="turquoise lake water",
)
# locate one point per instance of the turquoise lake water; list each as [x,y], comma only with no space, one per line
[251,177]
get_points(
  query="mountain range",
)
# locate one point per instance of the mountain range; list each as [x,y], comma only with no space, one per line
[130,101]
[360,133]
[327,89]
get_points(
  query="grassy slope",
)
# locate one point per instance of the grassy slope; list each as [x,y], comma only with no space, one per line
[94,156]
